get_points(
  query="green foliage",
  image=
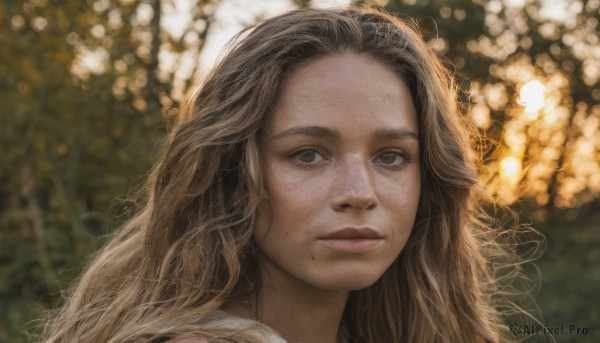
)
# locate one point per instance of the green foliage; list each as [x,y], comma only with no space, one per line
[69,146]
[570,276]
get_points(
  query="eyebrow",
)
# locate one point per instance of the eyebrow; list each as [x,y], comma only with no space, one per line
[320,131]
[399,133]
[312,131]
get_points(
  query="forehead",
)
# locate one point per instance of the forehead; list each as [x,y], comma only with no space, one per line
[341,90]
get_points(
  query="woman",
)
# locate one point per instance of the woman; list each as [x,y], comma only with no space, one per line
[318,187]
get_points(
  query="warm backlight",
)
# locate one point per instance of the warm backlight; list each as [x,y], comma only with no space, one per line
[532,96]
[510,169]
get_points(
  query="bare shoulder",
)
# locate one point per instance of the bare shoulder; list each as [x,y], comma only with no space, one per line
[188,340]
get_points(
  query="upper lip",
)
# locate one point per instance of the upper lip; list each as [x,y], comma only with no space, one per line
[353,233]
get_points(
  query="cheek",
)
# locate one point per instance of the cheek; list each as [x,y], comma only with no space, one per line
[401,201]
[411,192]
[292,196]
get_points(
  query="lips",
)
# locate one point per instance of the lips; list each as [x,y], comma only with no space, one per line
[353,233]
[353,240]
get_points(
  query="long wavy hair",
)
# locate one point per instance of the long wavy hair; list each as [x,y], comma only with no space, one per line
[182,256]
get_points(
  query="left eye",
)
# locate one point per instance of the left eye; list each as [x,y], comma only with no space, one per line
[391,158]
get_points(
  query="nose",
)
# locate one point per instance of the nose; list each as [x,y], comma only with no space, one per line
[353,188]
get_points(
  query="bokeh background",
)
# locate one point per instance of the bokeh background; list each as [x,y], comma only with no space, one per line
[89,88]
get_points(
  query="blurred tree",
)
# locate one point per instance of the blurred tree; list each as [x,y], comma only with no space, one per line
[82,103]
[529,73]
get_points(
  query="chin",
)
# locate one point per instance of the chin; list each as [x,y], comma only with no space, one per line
[350,280]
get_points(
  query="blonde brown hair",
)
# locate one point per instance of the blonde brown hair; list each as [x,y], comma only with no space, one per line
[183,255]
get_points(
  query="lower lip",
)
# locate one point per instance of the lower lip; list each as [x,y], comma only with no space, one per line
[352,245]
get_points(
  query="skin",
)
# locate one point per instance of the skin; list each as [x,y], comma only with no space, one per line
[357,165]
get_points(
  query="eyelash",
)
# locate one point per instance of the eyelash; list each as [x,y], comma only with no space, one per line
[294,156]
[402,154]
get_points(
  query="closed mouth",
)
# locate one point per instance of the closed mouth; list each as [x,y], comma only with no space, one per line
[353,234]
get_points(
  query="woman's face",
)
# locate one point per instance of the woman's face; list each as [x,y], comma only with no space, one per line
[341,169]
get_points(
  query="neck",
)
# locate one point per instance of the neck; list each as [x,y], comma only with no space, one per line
[297,311]
[300,314]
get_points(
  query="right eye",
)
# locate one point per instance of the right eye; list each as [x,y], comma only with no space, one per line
[308,156]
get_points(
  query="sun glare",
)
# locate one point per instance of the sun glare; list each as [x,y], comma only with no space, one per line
[510,169]
[532,97]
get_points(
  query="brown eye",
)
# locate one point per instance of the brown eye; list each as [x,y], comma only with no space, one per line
[392,158]
[307,156]
[388,158]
